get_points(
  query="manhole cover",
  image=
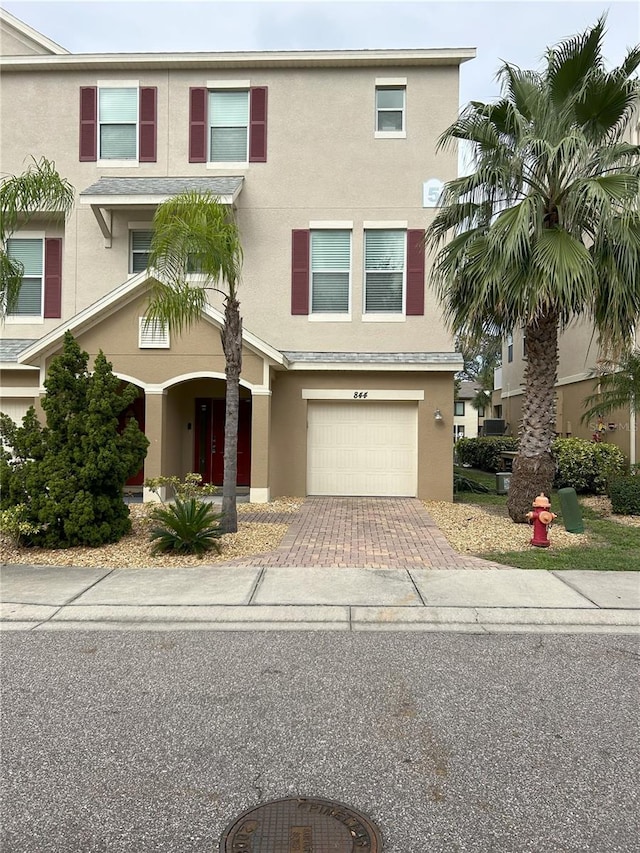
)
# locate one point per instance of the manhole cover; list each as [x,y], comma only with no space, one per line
[301,825]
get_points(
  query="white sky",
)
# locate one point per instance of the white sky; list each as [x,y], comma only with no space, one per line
[517,31]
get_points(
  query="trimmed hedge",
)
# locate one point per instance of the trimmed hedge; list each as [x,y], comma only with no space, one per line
[483,453]
[585,466]
[625,495]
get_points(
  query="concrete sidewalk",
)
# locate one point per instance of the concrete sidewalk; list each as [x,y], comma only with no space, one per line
[42,598]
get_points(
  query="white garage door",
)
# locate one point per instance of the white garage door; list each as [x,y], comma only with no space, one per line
[364,448]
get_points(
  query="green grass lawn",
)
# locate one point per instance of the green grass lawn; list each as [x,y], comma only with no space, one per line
[616,547]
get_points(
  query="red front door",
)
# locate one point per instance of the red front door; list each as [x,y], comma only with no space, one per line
[209,440]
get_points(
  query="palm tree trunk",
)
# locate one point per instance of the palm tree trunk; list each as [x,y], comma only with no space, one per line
[534,468]
[231,334]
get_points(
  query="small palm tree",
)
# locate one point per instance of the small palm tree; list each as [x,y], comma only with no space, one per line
[39,189]
[193,231]
[618,386]
[547,227]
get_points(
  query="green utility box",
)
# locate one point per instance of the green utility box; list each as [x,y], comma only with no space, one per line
[503,480]
[571,512]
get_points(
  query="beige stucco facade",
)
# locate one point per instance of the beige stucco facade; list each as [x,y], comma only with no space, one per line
[326,167]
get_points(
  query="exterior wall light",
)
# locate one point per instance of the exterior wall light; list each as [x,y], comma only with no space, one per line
[437,415]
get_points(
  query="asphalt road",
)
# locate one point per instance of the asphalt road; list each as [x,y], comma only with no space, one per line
[448,742]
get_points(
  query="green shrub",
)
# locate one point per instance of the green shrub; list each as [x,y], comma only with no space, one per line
[625,495]
[191,487]
[70,473]
[483,453]
[186,527]
[586,466]
[15,525]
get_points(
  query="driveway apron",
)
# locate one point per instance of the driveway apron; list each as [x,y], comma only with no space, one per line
[377,533]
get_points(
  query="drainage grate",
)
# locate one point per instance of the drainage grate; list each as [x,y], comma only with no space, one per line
[301,825]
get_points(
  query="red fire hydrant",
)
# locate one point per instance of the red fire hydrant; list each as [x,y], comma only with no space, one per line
[541,518]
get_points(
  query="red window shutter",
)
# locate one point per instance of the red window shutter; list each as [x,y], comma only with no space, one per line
[88,123]
[415,272]
[53,277]
[300,271]
[147,128]
[197,125]
[258,125]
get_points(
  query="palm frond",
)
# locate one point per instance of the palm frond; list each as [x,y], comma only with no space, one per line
[38,189]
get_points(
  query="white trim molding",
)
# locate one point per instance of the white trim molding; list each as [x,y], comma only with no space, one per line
[360,394]
[259,496]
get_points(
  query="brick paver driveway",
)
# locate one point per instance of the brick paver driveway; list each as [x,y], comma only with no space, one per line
[381,533]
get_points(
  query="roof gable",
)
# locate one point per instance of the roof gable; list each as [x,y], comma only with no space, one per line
[19,39]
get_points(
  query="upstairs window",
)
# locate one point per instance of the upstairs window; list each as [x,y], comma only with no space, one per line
[41,289]
[228,125]
[390,110]
[30,253]
[458,408]
[384,261]
[330,271]
[140,246]
[118,124]
[509,348]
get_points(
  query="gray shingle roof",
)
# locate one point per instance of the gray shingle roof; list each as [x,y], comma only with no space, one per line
[374,357]
[10,348]
[163,186]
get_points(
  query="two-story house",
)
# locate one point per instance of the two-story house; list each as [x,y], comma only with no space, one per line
[328,159]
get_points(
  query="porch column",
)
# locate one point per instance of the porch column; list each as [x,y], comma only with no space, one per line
[155,418]
[260,432]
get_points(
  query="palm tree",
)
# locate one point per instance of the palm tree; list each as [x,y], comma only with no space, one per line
[480,358]
[547,227]
[39,189]
[195,232]
[618,386]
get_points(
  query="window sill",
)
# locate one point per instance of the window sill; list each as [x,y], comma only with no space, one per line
[383,318]
[241,164]
[117,164]
[23,320]
[390,134]
[329,318]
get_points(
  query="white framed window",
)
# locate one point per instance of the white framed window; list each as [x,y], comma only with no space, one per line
[118,123]
[458,432]
[139,246]
[509,348]
[330,271]
[153,334]
[390,111]
[30,252]
[228,126]
[384,271]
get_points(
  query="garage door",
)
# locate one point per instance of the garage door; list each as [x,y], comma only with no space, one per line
[364,448]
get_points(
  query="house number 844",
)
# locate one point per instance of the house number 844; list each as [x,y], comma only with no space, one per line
[360,395]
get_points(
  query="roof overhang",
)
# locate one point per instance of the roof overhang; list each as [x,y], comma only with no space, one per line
[393,362]
[250,59]
[110,194]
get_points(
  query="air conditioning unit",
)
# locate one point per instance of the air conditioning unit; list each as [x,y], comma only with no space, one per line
[494,426]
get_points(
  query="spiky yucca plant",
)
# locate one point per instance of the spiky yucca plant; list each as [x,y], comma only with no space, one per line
[186,527]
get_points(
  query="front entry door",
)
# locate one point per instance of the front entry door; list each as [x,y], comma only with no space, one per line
[209,440]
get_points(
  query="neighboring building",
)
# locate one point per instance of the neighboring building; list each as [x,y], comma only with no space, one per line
[328,157]
[467,420]
[578,362]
